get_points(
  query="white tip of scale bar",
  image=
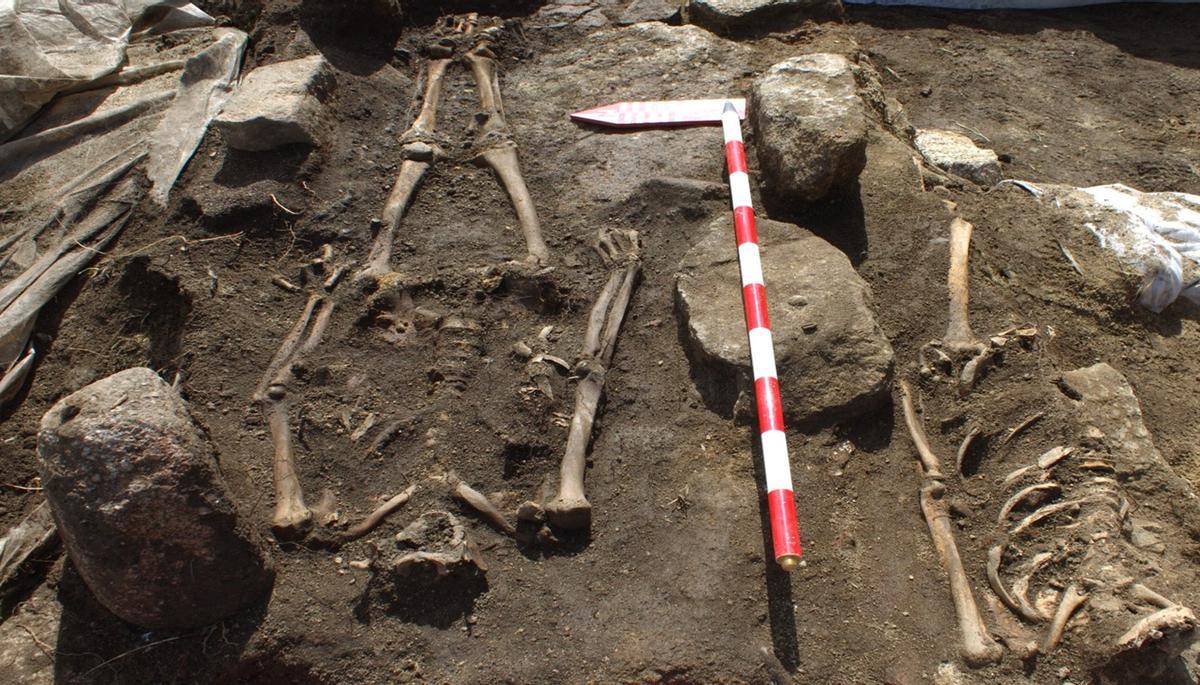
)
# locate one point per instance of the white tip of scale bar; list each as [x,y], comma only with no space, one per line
[660,111]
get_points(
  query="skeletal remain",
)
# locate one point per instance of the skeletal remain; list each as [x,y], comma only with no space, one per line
[458,351]
[995,557]
[965,445]
[1020,427]
[498,149]
[292,518]
[1021,586]
[479,502]
[421,150]
[372,521]
[1033,491]
[976,645]
[1053,455]
[440,542]
[622,250]
[1071,600]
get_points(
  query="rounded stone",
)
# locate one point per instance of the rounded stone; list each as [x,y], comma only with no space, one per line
[142,507]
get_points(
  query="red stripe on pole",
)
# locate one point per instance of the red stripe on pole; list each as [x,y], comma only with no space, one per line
[754,297]
[770,406]
[743,225]
[735,156]
[785,531]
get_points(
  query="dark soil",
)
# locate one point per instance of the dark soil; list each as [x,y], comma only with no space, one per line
[675,583]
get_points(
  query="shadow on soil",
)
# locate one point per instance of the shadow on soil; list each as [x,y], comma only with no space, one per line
[1154,31]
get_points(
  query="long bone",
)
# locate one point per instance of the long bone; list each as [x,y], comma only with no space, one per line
[976,647]
[498,149]
[622,249]
[292,518]
[420,152]
[959,339]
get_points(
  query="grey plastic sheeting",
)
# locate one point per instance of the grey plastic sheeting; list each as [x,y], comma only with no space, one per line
[48,46]
[1007,4]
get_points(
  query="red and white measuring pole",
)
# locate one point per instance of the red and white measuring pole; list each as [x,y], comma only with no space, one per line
[785,531]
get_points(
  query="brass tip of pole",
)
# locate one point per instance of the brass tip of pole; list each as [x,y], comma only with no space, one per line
[788,562]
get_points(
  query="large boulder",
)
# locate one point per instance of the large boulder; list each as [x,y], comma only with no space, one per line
[279,104]
[142,507]
[832,359]
[810,128]
[738,15]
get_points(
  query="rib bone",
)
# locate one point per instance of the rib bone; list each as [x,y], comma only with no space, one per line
[1072,599]
[571,509]
[995,556]
[499,151]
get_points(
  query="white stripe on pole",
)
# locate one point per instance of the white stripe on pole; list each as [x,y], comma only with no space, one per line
[739,189]
[732,126]
[751,264]
[775,461]
[761,357]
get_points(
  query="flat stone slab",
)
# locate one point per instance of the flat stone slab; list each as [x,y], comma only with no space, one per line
[832,359]
[729,15]
[279,104]
[810,128]
[959,155]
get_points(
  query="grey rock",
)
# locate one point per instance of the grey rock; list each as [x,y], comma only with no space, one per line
[28,640]
[810,127]
[649,10]
[959,155]
[142,507]
[842,367]
[279,104]
[733,15]
[592,20]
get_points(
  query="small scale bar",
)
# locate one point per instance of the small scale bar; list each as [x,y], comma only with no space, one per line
[659,113]
[781,500]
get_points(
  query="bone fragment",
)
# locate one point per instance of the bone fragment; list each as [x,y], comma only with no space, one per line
[480,503]
[1145,594]
[995,557]
[372,521]
[1020,427]
[1049,510]
[571,509]
[1053,455]
[977,647]
[1021,586]
[1039,489]
[1017,475]
[1172,619]
[499,151]
[1071,600]
[965,445]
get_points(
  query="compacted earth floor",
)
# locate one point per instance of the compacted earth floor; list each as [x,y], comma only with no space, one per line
[675,583]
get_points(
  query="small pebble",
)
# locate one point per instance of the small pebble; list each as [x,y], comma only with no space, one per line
[809,328]
[797,301]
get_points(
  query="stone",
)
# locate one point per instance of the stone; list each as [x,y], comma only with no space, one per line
[810,128]
[142,507]
[959,155]
[842,368]
[278,104]
[734,15]
[649,10]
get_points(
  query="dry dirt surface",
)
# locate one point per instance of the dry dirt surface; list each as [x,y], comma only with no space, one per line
[675,583]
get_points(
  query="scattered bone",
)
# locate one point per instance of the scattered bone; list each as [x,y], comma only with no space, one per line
[498,149]
[1054,455]
[1017,475]
[1038,493]
[1021,586]
[479,502]
[458,351]
[440,543]
[1174,618]
[1072,599]
[372,521]
[977,646]
[1021,427]
[959,339]
[366,425]
[1049,510]
[285,284]
[964,446]
[325,511]
[570,509]
[1145,594]
[995,557]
